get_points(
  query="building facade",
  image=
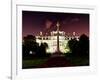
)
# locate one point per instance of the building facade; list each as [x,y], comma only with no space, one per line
[51,40]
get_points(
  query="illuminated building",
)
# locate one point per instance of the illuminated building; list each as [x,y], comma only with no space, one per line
[56,42]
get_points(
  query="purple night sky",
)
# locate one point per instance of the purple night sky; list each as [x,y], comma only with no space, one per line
[34,22]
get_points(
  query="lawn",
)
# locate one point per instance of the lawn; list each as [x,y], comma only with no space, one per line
[33,63]
[79,61]
[39,62]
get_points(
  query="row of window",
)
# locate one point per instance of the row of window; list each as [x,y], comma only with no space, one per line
[46,38]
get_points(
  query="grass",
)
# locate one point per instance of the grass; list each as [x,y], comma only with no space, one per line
[33,63]
[79,61]
[37,62]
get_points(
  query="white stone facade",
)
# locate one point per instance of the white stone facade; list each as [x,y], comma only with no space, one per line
[51,40]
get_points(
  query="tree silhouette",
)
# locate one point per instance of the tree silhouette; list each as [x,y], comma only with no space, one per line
[81,47]
[84,44]
[30,37]
[73,45]
[30,44]
[42,49]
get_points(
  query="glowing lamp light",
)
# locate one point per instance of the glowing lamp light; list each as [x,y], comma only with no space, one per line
[30,52]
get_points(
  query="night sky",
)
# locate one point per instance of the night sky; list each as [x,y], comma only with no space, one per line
[34,22]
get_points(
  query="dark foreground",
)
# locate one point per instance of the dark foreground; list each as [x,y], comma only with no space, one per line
[55,61]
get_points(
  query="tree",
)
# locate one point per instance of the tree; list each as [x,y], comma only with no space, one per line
[30,37]
[81,47]
[42,49]
[30,44]
[84,44]
[73,45]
